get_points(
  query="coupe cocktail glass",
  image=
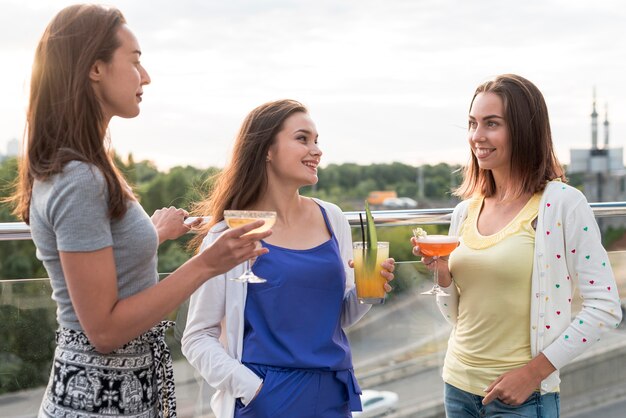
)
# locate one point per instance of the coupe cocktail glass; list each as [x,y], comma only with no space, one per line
[237,218]
[437,246]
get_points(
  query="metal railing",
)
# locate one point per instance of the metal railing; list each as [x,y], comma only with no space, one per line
[20,231]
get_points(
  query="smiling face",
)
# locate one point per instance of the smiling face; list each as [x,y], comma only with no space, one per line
[488,134]
[294,155]
[118,84]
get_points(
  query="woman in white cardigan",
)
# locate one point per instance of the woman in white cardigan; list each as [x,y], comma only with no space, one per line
[526,240]
[278,349]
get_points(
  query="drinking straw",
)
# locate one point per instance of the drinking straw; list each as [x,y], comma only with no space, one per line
[362,230]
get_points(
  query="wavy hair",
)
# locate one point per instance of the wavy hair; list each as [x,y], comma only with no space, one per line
[244,179]
[65,121]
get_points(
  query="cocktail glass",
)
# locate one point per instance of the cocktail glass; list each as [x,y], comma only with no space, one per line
[370,284]
[237,218]
[437,246]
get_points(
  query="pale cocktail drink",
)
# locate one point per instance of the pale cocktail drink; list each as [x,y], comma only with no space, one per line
[237,222]
[369,282]
[437,246]
[237,218]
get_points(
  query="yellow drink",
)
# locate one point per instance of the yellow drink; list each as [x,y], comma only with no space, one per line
[369,283]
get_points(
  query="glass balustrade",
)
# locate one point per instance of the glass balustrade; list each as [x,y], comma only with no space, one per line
[397,346]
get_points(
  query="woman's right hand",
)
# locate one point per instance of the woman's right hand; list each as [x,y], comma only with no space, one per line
[445,278]
[232,248]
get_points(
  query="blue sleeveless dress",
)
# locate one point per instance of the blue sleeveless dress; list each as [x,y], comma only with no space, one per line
[293,338]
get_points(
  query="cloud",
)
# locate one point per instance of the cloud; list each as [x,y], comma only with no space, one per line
[385,79]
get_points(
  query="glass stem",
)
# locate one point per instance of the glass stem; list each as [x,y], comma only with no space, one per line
[436,275]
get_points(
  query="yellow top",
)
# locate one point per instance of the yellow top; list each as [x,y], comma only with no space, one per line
[493,276]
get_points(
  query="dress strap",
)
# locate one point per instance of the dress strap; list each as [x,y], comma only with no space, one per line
[326,220]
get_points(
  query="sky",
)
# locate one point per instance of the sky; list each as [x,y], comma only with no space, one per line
[384,80]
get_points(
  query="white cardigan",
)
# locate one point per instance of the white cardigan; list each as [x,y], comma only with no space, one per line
[568,249]
[213,337]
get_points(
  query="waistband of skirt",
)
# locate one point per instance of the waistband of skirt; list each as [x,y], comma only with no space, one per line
[78,340]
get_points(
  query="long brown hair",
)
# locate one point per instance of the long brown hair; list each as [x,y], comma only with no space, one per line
[244,179]
[65,121]
[533,161]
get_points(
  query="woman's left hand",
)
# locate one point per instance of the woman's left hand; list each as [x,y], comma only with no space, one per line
[512,388]
[515,386]
[387,272]
[169,223]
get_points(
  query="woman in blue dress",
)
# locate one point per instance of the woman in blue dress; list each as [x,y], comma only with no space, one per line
[278,349]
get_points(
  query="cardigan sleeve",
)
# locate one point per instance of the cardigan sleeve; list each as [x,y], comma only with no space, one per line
[449,305]
[201,340]
[588,265]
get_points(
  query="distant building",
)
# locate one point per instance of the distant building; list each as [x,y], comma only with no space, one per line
[603,167]
[377,197]
[13,148]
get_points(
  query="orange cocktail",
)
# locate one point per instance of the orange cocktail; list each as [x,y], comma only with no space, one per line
[369,282]
[437,246]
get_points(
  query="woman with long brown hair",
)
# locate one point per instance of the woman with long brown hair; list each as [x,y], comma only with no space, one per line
[527,239]
[96,242]
[278,349]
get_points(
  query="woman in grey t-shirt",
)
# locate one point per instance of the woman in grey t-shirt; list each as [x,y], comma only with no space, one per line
[96,242]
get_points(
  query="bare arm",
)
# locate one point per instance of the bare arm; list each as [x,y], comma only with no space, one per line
[110,322]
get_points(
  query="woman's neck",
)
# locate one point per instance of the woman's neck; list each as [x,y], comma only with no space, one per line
[504,185]
[287,203]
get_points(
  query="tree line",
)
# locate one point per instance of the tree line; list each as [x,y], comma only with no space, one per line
[347,185]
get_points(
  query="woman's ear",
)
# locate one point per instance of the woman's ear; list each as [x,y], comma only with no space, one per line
[95,73]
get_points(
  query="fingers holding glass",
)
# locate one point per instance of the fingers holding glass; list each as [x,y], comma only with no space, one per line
[432,247]
[248,220]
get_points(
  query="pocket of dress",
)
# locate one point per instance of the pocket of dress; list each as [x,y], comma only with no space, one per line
[258,398]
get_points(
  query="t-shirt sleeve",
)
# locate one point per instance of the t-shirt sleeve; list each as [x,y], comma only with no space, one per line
[78,210]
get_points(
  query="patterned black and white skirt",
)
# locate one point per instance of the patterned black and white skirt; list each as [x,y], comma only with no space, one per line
[135,381]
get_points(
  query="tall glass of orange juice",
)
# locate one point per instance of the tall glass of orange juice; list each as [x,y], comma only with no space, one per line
[369,282]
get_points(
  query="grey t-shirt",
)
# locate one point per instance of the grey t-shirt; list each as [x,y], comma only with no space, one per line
[68,213]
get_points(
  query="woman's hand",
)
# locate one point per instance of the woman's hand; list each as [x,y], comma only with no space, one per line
[387,272]
[514,387]
[169,223]
[445,278]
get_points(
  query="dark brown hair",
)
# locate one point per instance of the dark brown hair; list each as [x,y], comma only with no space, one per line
[242,182]
[533,161]
[64,120]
